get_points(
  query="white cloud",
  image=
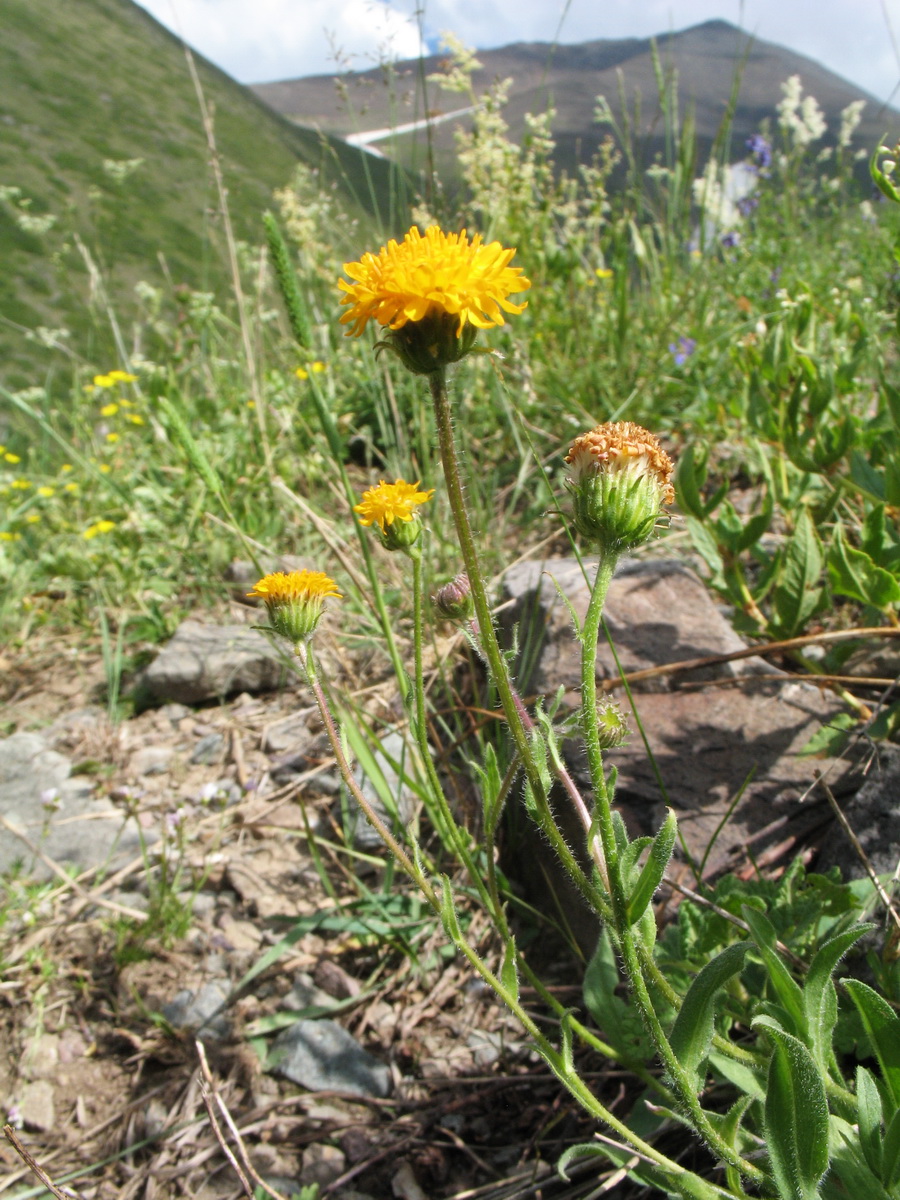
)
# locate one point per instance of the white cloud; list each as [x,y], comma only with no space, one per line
[257,40]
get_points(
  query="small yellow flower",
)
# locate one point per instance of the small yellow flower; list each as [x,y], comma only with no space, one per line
[317,368]
[134,418]
[603,273]
[66,467]
[302,373]
[21,485]
[104,381]
[113,437]
[122,377]
[70,487]
[294,601]
[7,536]
[46,492]
[12,458]
[390,502]
[104,468]
[33,518]
[109,410]
[97,528]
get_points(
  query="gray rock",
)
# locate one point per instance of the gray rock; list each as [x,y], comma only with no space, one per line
[36,1105]
[323,1057]
[657,612]
[194,1011]
[152,760]
[209,749]
[710,744]
[874,816]
[390,750]
[207,662]
[56,812]
[304,994]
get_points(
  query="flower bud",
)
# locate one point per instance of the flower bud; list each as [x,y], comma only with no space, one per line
[294,602]
[620,479]
[612,726]
[454,600]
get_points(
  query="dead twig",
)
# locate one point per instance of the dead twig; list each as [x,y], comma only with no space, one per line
[59,1193]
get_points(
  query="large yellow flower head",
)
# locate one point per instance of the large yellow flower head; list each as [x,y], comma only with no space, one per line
[294,601]
[432,293]
[620,479]
[390,503]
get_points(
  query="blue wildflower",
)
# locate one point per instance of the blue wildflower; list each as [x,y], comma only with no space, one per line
[747,204]
[760,150]
[731,239]
[682,350]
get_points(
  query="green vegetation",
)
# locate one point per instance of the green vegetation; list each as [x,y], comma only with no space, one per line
[755,335]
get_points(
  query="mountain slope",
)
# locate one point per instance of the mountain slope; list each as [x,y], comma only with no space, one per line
[706,57]
[94,80]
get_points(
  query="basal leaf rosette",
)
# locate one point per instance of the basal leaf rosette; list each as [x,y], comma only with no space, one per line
[620,478]
[432,293]
[294,602]
[392,507]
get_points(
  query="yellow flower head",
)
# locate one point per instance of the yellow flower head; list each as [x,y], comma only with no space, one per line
[390,502]
[620,479]
[109,410]
[294,601]
[97,528]
[443,285]
[12,458]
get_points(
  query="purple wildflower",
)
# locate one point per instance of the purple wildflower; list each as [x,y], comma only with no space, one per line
[747,204]
[682,350]
[731,239]
[760,150]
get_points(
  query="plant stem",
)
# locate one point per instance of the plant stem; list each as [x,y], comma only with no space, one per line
[307,662]
[603,818]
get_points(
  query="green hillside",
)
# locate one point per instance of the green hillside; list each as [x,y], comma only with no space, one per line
[100,81]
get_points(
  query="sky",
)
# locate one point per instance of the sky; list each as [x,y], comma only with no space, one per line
[261,40]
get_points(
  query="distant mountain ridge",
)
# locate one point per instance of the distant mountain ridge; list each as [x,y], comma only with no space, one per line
[570,77]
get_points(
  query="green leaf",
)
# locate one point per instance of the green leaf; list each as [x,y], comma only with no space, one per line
[795,1116]
[882,1025]
[890,1170]
[819,997]
[654,868]
[798,592]
[848,1166]
[744,1078]
[833,737]
[448,912]
[706,547]
[618,1020]
[853,573]
[868,1107]
[693,1029]
[788,991]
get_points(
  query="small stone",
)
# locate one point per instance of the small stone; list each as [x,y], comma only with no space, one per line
[36,1105]
[151,760]
[209,750]
[322,1164]
[208,662]
[194,1011]
[322,1056]
[304,994]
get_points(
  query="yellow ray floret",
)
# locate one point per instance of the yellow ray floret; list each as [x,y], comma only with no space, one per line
[440,273]
[282,588]
[390,502]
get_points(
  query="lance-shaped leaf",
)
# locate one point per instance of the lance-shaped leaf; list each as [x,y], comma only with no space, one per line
[882,1025]
[654,868]
[869,1117]
[795,1116]
[788,991]
[819,997]
[693,1029]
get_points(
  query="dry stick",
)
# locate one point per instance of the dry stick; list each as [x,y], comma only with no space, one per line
[209,1093]
[858,847]
[711,660]
[723,912]
[42,1175]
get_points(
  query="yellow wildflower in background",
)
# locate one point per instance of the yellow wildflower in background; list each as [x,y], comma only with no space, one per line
[98,527]
[12,458]
[21,485]
[294,601]
[112,378]
[7,536]
[109,410]
[46,492]
[432,293]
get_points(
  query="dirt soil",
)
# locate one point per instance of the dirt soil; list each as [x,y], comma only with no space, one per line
[106,1095]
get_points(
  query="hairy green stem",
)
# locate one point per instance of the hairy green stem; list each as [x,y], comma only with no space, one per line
[624,934]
